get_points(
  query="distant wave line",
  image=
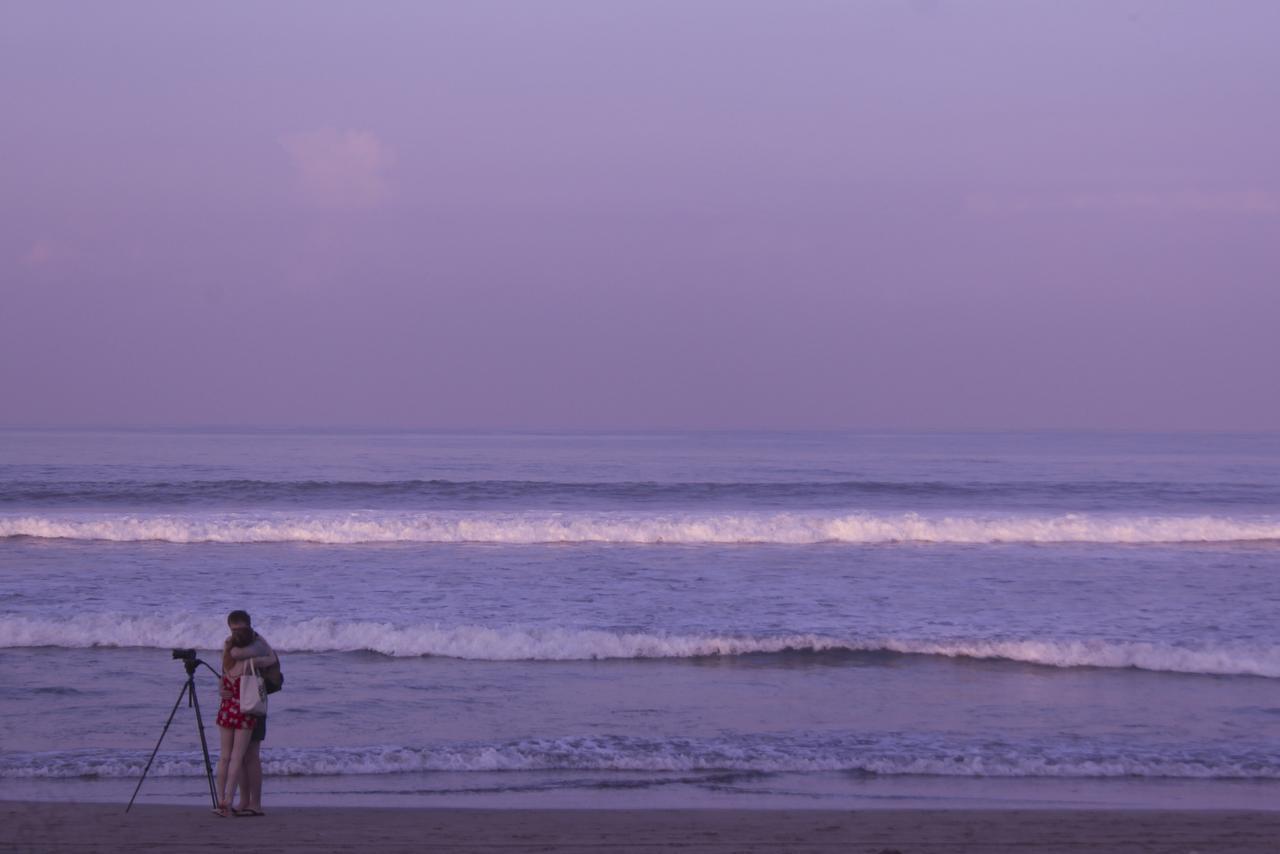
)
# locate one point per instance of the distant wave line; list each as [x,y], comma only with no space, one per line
[631,527]
[198,492]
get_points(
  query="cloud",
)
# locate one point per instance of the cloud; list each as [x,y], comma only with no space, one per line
[340,169]
[1004,203]
[1162,202]
[1179,201]
[42,253]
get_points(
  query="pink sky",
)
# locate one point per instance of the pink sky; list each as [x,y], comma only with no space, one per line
[642,214]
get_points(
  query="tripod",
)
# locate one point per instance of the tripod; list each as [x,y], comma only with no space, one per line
[189,691]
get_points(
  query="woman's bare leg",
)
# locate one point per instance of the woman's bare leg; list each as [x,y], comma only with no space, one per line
[226,740]
[235,766]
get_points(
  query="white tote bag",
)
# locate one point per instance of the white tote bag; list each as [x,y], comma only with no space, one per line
[253,692]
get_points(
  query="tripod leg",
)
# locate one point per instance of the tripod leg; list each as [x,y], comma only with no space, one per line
[181,694]
[204,745]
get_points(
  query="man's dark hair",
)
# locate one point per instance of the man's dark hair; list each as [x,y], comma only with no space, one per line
[239,617]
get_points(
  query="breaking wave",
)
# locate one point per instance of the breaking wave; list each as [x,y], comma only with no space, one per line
[524,527]
[484,643]
[853,753]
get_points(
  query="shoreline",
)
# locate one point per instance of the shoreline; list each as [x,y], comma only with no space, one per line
[43,826]
[581,790]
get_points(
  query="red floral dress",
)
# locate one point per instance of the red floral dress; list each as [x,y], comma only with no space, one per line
[229,714]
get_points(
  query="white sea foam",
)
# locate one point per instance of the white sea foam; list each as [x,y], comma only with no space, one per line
[881,756]
[486,643]
[631,527]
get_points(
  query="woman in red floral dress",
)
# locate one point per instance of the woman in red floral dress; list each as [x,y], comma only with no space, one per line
[235,729]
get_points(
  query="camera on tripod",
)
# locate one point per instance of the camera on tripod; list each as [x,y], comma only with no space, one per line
[190,662]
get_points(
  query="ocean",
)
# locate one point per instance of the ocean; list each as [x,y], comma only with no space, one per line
[664,619]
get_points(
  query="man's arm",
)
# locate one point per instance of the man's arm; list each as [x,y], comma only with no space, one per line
[260,651]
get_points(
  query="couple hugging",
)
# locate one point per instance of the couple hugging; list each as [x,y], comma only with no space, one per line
[240,760]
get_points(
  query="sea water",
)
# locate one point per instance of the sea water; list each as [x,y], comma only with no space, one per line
[798,619]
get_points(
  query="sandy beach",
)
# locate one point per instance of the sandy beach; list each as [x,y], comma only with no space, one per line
[37,827]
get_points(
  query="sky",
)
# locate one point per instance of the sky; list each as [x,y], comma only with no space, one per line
[920,214]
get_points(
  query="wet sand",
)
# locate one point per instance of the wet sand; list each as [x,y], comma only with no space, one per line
[37,827]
